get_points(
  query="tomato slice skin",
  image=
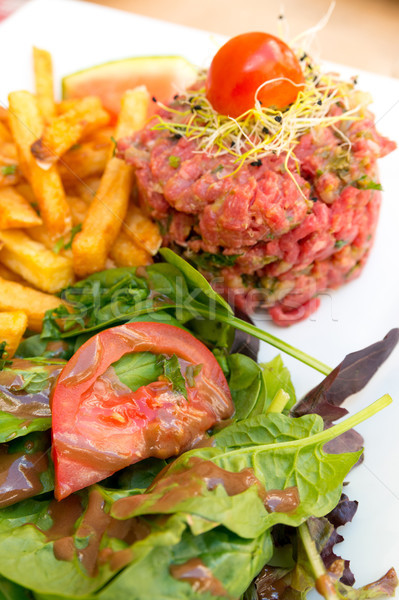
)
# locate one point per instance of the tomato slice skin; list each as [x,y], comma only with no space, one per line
[243,64]
[100,426]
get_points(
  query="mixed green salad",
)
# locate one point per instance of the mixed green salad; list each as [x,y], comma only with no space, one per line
[247,508]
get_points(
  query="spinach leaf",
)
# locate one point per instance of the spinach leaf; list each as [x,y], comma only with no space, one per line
[276,376]
[283,452]
[12,591]
[247,386]
[232,561]
[47,348]
[172,372]
[139,476]
[137,368]
[199,287]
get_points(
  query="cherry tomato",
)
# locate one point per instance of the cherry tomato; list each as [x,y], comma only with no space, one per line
[100,426]
[243,64]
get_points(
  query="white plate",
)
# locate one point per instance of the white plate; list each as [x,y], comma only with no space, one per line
[80,35]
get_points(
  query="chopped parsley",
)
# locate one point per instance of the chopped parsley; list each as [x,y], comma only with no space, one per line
[365,183]
[62,245]
[174,161]
[8,170]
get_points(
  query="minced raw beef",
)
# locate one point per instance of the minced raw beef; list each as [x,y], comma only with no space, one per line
[263,236]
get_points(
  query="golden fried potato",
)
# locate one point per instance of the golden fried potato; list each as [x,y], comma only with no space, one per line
[79,208]
[15,211]
[12,328]
[108,209]
[5,135]
[42,268]
[44,83]
[27,125]
[14,296]
[86,160]
[6,273]
[142,230]
[126,253]
[66,130]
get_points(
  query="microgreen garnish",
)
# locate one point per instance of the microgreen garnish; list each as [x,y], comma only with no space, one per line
[264,130]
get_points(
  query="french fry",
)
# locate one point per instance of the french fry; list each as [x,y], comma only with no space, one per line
[89,159]
[142,230]
[42,268]
[5,135]
[79,208]
[15,211]
[9,170]
[27,125]
[126,253]
[14,296]
[44,84]
[67,129]
[9,275]
[12,328]
[65,105]
[108,208]
[87,188]
[25,190]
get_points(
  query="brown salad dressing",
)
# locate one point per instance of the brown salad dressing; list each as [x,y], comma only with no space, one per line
[199,576]
[95,522]
[20,475]
[17,401]
[189,482]
[282,500]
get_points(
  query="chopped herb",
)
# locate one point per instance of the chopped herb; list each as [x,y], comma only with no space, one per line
[8,169]
[175,97]
[197,107]
[278,118]
[174,161]
[265,130]
[172,372]
[340,243]
[76,147]
[365,183]
[191,373]
[319,102]
[3,355]
[304,56]
[217,169]
[115,143]
[74,231]
[61,245]
[256,163]
[208,261]
[153,99]
[319,172]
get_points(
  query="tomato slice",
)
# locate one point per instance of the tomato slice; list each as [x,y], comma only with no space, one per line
[100,426]
[245,63]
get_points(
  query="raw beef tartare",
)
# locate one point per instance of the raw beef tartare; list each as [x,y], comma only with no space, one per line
[271,221]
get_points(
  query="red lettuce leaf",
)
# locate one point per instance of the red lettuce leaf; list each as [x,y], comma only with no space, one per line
[348,378]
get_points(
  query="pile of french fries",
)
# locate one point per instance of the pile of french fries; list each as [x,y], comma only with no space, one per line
[66,207]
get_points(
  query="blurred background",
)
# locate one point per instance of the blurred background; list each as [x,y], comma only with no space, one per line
[359,33]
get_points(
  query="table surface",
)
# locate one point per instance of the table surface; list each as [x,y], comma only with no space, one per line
[360,33]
